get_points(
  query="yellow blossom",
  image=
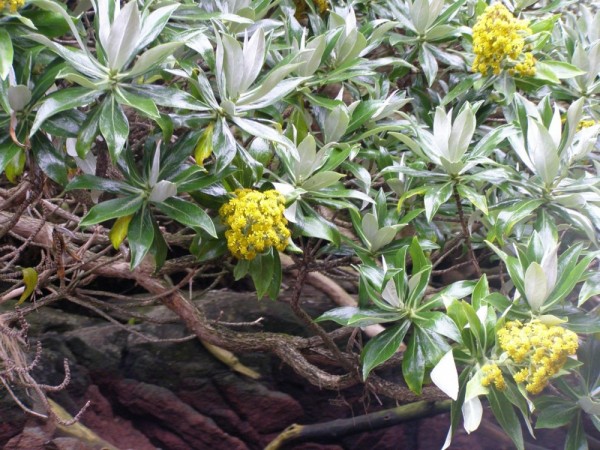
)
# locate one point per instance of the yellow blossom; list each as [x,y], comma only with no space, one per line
[255,223]
[499,43]
[493,375]
[11,6]
[586,124]
[301,7]
[539,351]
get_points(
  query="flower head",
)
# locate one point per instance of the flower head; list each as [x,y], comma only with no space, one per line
[256,223]
[493,375]
[499,43]
[11,6]
[538,350]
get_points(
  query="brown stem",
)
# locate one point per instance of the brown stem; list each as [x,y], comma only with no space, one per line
[307,320]
[287,348]
[465,229]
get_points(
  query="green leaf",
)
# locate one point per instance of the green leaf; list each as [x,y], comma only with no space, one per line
[419,259]
[382,347]
[169,97]
[570,273]
[536,286]
[261,270]
[258,129]
[30,279]
[6,53]
[559,69]
[63,100]
[83,62]
[60,9]
[223,144]
[457,90]
[188,214]
[437,322]
[143,104]
[111,209]
[47,79]
[316,226]
[159,247]
[277,276]
[123,36]
[435,197]
[321,180]
[576,438]
[413,365]
[114,127]
[514,214]
[152,58]
[88,132]
[556,414]
[50,160]
[590,288]
[475,325]
[478,200]
[505,414]
[8,150]
[352,316]
[428,63]
[15,166]
[65,124]
[140,236]
[361,114]
[480,292]
[101,184]
[48,23]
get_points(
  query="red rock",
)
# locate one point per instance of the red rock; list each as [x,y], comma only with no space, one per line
[195,429]
[267,411]
[208,401]
[116,430]
[32,438]
[67,443]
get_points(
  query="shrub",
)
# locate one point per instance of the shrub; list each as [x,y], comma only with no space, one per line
[404,140]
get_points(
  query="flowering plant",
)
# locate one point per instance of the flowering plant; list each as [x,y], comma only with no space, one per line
[441,158]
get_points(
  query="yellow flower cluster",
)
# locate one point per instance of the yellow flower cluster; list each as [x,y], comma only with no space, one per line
[302,8]
[586,124]
[493,375]
[11,5]
[256,223]
[499,42]
[539,350]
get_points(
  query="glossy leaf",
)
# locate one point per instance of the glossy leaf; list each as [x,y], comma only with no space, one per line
[382,347]
[140,236]
[261,270]
[505,415]
[8,150]
[187,213]
[111,209]
[50,160]
[413,365]
[114,126]
[63,100]
[101,184]
[6,53]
